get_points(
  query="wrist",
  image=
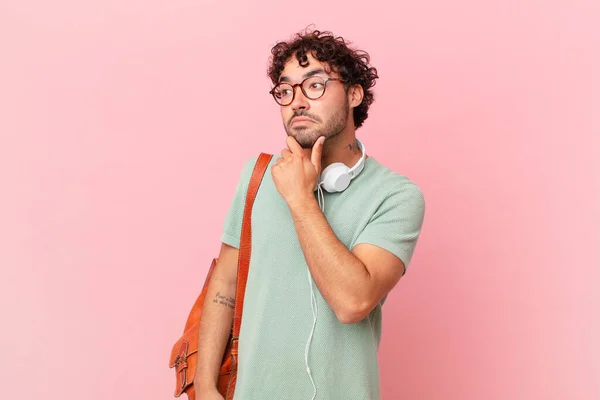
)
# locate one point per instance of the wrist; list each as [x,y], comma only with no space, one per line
[202,384]
[305,203]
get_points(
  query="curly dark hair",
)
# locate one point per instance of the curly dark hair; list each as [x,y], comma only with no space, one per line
[352,65]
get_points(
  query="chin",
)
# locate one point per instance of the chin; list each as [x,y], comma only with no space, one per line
[306,140]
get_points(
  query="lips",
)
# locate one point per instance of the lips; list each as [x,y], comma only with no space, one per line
[301,120]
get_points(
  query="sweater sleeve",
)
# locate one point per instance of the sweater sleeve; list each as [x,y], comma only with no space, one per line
[232,226]
[396,225]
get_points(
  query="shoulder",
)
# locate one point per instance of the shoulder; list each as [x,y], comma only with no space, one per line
[247,168]
[250,163]
[393,186]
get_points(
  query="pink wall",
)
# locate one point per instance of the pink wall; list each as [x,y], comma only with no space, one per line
[123,128]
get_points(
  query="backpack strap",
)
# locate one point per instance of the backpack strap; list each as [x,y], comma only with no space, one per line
[246,241]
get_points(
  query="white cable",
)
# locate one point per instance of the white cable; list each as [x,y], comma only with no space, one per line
[321,198]
[313,302]
[313,306]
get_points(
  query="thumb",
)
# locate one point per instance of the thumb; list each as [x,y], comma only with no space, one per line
[317,152]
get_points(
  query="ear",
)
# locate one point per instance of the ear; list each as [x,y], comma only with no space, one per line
[355,95]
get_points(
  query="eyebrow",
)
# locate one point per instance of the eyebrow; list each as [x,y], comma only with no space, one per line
[306,75]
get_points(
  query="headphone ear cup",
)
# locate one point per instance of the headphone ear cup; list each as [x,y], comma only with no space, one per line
[335,178]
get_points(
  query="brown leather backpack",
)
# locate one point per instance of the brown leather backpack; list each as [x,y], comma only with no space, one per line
[184,355]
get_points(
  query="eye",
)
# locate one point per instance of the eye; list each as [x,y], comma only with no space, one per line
[281,92]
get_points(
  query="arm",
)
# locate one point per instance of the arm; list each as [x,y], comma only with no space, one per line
[217,319]
[352,282]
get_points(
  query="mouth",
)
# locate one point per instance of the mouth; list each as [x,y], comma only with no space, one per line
[301,120]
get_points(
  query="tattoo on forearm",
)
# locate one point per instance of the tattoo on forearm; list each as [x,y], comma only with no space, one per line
[354,147]
[224,300]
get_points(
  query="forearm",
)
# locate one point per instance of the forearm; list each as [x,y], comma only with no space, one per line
[215,327]
[341,277]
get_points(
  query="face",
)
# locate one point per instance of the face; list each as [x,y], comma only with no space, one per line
[307,120]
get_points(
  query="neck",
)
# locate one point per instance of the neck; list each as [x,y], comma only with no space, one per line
[341,148]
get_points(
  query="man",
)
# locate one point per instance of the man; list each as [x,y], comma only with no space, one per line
[307,336]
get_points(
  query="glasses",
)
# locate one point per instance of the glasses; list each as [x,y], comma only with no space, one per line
[313,88]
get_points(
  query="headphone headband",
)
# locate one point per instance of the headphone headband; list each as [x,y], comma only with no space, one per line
[357,168]
[337,176]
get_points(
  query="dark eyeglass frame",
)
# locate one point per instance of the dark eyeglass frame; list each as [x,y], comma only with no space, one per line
[301,84]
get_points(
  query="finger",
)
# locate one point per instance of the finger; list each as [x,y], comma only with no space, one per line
[316,153]
[286,153]
[293,145]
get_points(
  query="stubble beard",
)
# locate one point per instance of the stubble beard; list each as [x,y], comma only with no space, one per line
[307,136]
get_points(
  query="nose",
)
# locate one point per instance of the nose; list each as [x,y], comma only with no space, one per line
[300,101]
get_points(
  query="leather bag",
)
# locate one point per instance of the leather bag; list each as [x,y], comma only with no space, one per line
[184,354]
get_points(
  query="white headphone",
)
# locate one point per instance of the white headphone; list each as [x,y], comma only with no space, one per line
[337,176]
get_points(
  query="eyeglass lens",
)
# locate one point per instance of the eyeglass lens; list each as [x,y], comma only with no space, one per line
[312,87]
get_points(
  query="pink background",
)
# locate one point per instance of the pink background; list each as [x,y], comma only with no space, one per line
[124,125]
